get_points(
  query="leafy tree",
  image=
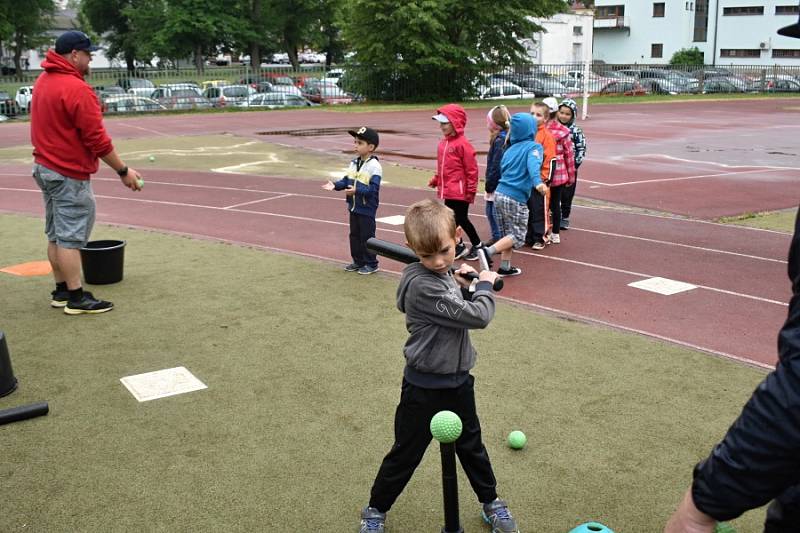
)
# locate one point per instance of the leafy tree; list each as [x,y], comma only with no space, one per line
[292,23]
[438,46]
[29,22]
[196,28]
[110,19]
[687,56]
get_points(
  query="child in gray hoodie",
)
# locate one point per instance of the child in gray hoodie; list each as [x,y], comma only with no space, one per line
[441,306]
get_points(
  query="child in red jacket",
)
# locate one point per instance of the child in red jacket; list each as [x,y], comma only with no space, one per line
[456,178]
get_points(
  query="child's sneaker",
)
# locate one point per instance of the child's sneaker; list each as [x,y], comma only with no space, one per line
[372,520]
[555,238]
[88,305]
[497,515]
[506,272]
[366,270]
[59,298]
[473,253]
[538,245]
[352,267]
[461,250]
[564,223]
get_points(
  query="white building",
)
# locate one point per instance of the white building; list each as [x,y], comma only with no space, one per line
[728,32]
[567,38]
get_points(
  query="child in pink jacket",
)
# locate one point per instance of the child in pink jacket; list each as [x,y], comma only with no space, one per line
[565,166]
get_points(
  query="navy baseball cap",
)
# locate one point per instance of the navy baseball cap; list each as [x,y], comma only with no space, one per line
[74,40]
[365,134]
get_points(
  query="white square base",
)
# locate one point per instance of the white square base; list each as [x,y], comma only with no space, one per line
[664,286]
[394,220]
[162,383]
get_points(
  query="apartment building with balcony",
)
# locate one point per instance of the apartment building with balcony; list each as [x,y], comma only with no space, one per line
[728,32]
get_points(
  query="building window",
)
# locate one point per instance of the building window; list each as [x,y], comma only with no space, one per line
[787,10]
[740,52]
[658,9]
[609,12]
[786,53]
[701,21]
[656,50]
[577,30]
[743,10]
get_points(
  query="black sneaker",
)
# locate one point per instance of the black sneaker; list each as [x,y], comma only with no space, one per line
[461,250]
[352,267]
[564,223]
[513,271]
[88,305]
[59,298]
[473,253]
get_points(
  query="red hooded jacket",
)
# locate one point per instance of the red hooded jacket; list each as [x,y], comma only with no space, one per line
[67,130]
[456,175]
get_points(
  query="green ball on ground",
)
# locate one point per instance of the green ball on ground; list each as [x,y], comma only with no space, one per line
[724,527]
[152,158]
[140,182]
[517,439]
[446,427]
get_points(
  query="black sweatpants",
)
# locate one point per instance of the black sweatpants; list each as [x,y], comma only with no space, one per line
[461,210]
[555,206]
[362,227]
[567,195]
[535,218]
[412,435]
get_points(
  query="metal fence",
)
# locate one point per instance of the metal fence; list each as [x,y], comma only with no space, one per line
[279,86]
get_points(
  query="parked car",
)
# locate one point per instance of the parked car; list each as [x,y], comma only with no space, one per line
[228,95]
[662,86]
[275,100]
[781,85]
[7,70]
[334,75]
[8,106]
[537,82]
[503,91]
[130,103]
[213,83]
[3,118]
[593,83]
[186,97]
[721,85]
[627,88]
[327,94]
[717,73]
[23,97]
[138,86]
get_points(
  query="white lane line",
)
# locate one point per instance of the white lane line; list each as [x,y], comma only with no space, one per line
[684,178]
[713,163]
[680,245]
[642,275]
[143,129]
[258,201]
[480,215]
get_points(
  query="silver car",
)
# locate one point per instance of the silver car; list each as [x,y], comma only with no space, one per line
[228,95]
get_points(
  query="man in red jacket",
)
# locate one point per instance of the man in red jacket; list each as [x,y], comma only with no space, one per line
[68,138]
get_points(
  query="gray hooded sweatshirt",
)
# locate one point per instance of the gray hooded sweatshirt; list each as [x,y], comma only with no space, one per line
[438,351]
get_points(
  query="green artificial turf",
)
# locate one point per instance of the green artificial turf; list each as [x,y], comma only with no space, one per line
[782,220]
[303,365]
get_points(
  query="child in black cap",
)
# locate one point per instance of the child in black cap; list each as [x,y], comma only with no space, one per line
[361,185]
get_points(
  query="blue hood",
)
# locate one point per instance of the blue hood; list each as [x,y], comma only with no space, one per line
[522,160]
[523,127]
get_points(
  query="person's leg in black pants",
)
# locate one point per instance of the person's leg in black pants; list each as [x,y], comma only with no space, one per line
[566,201]
[783,514]
[461,210]
[469,447]
[555,208]
[356,249]
[366,231]
[535,219]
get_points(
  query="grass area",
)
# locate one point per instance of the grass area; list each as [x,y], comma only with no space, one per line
[782,220]
[303,363]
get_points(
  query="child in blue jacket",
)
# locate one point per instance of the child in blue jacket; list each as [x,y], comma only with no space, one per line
[361,185]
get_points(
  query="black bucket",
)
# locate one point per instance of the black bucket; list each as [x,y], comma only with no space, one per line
[102,261]
[8,383]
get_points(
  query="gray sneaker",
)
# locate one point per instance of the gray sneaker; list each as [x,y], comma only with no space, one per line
[367,270]
[497,515]
[372,520]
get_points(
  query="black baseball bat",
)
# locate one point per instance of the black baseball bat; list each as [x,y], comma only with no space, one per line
[23,412]
[407,256]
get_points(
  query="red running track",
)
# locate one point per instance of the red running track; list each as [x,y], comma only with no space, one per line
[700,159]
[735,311]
